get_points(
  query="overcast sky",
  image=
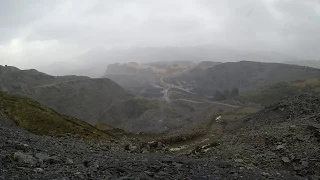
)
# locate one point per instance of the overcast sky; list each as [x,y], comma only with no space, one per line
[38,32]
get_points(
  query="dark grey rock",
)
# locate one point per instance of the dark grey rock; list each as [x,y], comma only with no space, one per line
[144,176]
[162,173]
[54,159]
[68,161]
[304,163]
[42,157]
[86,163]
[159,146]
[153,144]
[238,160]
[1,164]
[285,159]
[266,174]
[133,148]
[25,158]
[127,147]
[297,167]
[38,170]
[280,147]
[177,165]
[95,166]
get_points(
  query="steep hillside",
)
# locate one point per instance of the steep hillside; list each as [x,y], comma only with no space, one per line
[193,73]
[40,119]
[284,136]
[76,96]
[246,75]
[84,99]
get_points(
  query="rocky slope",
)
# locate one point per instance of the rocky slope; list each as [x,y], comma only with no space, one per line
[77,96]
[27,156]
[246,75]
[280,142]
[285,136]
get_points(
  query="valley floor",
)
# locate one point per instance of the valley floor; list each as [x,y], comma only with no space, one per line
[27,156]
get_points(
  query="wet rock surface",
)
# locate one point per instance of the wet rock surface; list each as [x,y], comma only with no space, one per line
[45,157]
[283,136]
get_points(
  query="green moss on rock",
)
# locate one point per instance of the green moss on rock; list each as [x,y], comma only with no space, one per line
[39,119]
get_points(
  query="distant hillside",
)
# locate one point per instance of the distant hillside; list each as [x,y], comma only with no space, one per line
[206,65]
[94,62]
[309,63]
[167,65]
[271,94]
[179,54]
[77,96]
[153,116]
[40,119]
[198,69]
[142,79]
[246,75]
[155,68]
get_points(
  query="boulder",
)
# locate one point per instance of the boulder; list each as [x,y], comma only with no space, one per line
[42,157]
[68,161]
[238,160]
[38,170]
[25,158]
[1,165]
[280,147]
[159,146]
[285,159]
[131,148]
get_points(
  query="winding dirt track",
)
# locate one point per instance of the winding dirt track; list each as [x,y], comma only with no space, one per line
[167,88]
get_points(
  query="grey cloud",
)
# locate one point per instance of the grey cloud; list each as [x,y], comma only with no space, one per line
[301,26]
[286,26]
[16,15]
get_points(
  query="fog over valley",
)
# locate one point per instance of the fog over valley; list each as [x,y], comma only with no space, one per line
[84,35]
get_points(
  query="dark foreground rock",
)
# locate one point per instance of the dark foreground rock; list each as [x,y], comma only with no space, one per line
[285,136]
[27,156]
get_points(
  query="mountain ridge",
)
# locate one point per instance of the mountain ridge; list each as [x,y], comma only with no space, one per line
[77,96]
[246,75]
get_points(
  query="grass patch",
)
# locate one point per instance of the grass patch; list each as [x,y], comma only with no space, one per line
[104,127]
[39,119]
